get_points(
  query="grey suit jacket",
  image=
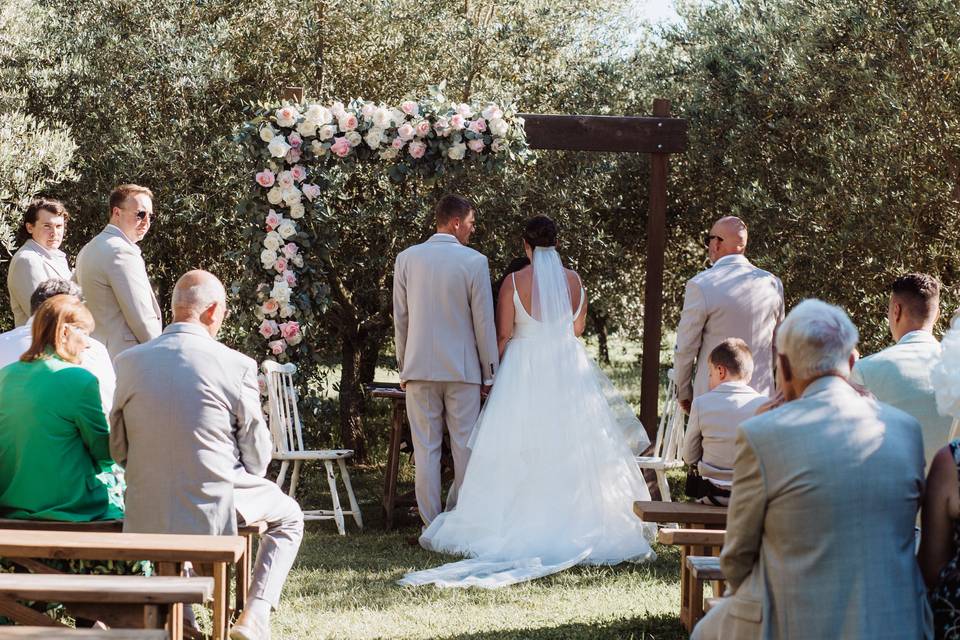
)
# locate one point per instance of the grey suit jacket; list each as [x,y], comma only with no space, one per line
[820,532]
[111,272]
[443,313]
[731,299]
[187,427]
[31,265]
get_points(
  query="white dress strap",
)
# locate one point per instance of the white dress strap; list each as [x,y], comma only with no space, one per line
[583,295]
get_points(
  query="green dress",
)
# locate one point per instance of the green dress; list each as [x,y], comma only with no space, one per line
[54,445]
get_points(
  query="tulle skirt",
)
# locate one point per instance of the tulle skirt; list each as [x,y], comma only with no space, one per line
[551,479]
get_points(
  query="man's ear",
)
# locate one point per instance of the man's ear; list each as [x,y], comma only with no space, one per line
[722,372]
[897,311]
[207,316]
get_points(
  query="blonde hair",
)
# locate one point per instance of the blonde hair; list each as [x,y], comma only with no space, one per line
[48,324]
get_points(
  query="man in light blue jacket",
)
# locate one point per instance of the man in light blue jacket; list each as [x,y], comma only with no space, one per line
[900,375]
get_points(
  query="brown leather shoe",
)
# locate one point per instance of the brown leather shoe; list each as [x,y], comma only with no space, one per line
[413,541]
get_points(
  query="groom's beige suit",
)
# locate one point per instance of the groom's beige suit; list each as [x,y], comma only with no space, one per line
[446,348]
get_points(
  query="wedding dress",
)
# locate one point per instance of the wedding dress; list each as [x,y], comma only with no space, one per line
[551,479]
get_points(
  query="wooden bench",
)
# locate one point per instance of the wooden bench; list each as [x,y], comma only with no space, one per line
[703,569]
[696,542]
[243,572]
[50,633]
[690,515]
[170,551]
[119,601]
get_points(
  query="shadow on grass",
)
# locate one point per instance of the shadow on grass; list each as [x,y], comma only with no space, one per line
[659,627]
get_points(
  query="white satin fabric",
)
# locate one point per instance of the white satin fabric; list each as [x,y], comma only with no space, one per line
[552,479]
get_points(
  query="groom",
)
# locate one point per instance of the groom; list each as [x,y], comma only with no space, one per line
[446,345]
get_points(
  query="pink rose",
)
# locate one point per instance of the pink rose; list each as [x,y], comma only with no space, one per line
[398,143]
[268,328]
[295,140]
[280,265]
[476,146]
[417,149]
[406,131]
[478,126]
[290,277]
[299,173]
[269,308]
[273,220]
[289,329]
[410,108]
[456,122]
[262,383]
[464,110]
[311,191]
[290,249]
[423,128]
[347,122]
[440,126]
[341,147]
[277,347]
[293,156]
[266,178]
[496,146]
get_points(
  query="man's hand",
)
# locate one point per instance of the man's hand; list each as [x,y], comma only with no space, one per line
[485,390]
[403,385]
[685,405]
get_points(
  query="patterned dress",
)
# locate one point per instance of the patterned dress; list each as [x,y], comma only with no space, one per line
[945,597]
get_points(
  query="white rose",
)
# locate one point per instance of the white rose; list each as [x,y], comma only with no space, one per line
[286,229]
[291,195]
[326,132]
[389,153]
[406,131]
[336,109]
[267,132]
[373,138]
[287,116]
[278,147]
[499,127]
[464,110]
[319,114]
[457,151]
[367,109]
[275,195]
[280,291]
[271,243]
[297,260]
[307,128]
[268,258]
[318,149]
[287,310]
[297,210]
[491,112]
[285,179]
[381,118]
[294,340]
[354,138]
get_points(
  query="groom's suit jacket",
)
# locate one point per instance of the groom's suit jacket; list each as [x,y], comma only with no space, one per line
[443,313]
[825,496]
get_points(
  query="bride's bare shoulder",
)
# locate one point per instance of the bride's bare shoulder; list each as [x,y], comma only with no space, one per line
[573,278]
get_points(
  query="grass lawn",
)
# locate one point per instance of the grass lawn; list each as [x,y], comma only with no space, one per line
[345,587]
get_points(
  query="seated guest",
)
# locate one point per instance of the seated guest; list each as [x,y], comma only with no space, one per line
[939,555]
[94,358]
[825,496]
[188,428]
[54,439]
[39,257]
[715,416]
[900,375]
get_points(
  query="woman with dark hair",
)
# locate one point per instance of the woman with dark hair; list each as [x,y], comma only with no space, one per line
[552,478]
[39,257]
[55,459]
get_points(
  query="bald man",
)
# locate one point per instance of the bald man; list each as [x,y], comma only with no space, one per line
[187,426]
[731,299]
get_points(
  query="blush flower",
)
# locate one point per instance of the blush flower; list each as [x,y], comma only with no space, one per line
[417,149]
[277,347]
[268,328]
[266,178]
[341,147]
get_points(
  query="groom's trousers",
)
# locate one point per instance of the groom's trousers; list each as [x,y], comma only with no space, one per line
[430,405]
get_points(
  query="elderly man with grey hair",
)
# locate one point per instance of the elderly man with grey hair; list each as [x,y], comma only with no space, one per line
[188,428]
[820,531]
[95,358]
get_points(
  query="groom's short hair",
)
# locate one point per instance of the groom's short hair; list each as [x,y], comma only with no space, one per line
[452,206]
[919,294]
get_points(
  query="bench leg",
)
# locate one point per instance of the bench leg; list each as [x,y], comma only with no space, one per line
[244,569]
[175,620]
[696,603]
[337,510]
[220,600]
[354,507]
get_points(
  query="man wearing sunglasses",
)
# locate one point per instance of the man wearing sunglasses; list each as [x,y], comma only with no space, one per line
[113,276]
[731,299]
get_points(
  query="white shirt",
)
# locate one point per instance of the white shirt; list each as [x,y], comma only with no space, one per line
[95,359]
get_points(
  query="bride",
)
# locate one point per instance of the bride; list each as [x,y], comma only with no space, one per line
[551,479]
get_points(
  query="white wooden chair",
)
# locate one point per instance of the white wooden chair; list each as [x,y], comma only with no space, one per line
[287,432]
[666,448]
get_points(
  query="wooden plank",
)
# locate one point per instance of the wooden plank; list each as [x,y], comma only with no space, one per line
[25,615]
[705,537]
[97,588]
[632,134]
[66,633]
[679,512]
[653,287]
[704,568]
[82,545]
[105,526]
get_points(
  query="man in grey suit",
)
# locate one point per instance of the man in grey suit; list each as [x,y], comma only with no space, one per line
[446,345]
[731,299]
[113,276]
[188,428]
[900,375]
[820,532]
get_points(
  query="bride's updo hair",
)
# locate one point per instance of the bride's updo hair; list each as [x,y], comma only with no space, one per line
[541,231]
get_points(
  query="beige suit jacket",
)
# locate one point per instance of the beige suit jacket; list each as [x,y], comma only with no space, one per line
[712,428]
[732,299]
[113,276]
[820,532]
[31,265]
[187,426]
[443,313]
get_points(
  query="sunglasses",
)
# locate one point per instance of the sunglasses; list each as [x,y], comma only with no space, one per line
[707,238]
[141,214]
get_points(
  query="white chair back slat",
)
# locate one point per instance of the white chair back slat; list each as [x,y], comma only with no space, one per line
[285,424]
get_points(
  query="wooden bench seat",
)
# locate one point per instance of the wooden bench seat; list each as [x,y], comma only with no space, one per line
[703,569]
[691,537]
[690,514]
[66,633]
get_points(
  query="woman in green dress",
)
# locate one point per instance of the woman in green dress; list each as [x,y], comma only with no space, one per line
[54,439]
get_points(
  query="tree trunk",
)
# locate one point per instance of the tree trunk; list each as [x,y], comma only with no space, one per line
[352,399]
[600,321]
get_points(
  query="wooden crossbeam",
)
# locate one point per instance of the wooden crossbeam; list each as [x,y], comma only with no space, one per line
[630,134]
